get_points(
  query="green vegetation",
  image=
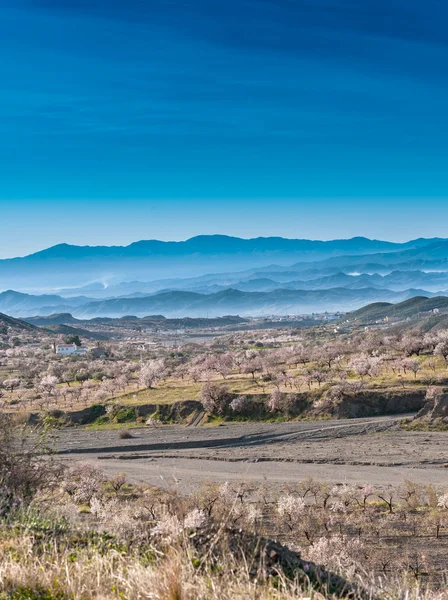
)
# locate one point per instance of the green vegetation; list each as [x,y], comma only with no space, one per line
[73,339]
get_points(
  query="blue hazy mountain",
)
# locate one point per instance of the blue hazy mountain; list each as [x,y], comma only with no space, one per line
[220,275]
[66,265]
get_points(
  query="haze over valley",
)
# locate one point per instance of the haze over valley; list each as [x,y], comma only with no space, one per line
[220,275]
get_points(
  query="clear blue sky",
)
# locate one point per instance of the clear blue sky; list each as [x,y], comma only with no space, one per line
[132,119]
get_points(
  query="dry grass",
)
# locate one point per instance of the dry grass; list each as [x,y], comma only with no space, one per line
[92,576]
[39,565]
[72,535]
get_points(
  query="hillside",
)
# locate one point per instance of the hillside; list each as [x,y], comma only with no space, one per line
[421,324]
[17,324]
[59,321]
[82,333]
[419,307]
[55,319]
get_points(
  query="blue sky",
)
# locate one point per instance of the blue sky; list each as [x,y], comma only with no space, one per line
[132,119]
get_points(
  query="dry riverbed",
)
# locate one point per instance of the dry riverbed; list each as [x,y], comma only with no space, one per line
[373,450]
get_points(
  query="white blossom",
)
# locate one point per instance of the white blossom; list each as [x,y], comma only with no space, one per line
[195,519]
[253,514]
[289,504]
[443,501]
[168,528]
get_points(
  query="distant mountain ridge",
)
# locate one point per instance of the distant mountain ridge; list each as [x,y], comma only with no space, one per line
[222,244]
[245,304]
[74,266]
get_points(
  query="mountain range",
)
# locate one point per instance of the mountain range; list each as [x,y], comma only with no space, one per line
[220,275]
[67,265]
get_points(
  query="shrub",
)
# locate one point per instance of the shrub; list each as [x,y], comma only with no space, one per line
[25,466]
[125,414]
[215,398]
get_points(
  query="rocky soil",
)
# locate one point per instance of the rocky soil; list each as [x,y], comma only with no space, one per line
[374,450]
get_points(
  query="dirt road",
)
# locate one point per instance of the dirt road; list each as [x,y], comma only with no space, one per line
[371,450]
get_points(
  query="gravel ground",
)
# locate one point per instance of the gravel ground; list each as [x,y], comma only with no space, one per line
[371,450]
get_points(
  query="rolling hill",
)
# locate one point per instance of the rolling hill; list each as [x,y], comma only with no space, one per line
[150,321]
[417,307]
[61,329]
[17,324]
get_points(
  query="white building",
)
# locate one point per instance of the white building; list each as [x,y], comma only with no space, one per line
[70,349]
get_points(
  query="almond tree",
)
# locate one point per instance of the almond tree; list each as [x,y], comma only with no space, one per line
[252,364]
[319,376]
[413,344]
[431,364]
[430,340]
[215,398]
[360,365]
[240,404]
[364,365]
[276,400]
[442,350]
[48,384]
[224,364]
[329,353]
[11,384]
[290,509]
[301,354]
[151,372]
[409,364]
[437,520]
[415,367]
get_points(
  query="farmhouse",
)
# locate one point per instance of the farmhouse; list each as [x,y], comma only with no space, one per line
[71,349]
